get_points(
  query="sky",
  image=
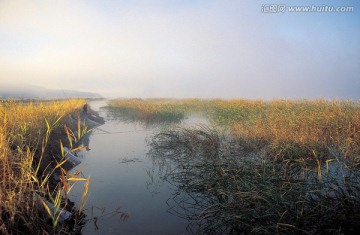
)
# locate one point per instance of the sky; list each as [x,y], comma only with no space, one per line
[183,48]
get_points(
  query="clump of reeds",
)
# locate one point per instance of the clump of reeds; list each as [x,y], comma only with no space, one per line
[298,126]
[226,188]
[150,111]
[291,128]
[30,152]
[317,124]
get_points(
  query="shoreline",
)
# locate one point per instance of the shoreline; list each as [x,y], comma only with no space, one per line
[35,175]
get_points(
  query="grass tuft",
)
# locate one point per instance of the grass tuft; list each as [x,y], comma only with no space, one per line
[30,155]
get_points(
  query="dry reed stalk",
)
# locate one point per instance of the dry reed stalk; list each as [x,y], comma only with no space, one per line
[26,135]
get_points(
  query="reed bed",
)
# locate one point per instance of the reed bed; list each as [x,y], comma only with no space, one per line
[299,120]
[222,188]
[290,127]
[293,129]
[31,150]
[265,167]
[155,111]
[147,111]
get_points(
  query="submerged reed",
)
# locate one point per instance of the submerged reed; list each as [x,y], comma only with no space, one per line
[224,188]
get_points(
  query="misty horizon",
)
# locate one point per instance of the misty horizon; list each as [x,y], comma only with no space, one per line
[182,49]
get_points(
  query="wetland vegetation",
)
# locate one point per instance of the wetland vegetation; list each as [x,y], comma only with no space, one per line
[34,182]
[261,167]
[256,167]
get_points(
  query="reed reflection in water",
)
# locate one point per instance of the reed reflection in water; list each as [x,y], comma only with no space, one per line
[134,116]
[119,200]
[222,186]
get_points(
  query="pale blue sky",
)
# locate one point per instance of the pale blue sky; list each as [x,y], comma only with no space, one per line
[178,48]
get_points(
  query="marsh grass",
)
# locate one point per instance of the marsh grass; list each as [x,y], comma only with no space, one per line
[31,152]
[155,111]
[146,111]
[291,128]
[224,189]
[266,167]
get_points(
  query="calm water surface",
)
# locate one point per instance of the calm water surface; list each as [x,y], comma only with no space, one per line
[121,177]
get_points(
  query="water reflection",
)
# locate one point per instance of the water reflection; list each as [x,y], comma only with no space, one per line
[169,168]
[212,183]
[151,183]
[130,116]
[86,141]
[191,161]
[117,164]
[221,188]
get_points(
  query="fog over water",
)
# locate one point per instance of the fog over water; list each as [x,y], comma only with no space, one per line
[177,48]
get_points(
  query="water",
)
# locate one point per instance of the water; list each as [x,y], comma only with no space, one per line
[121,182]
[128,193]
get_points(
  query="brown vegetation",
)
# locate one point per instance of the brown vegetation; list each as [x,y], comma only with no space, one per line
[31,137]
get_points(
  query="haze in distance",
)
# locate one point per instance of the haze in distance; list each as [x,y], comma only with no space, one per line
[205,49]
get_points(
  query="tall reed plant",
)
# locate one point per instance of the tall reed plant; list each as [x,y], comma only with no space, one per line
[30,152]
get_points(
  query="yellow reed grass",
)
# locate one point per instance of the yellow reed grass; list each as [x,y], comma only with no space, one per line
[295,126]
[307,123]
[24,132]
